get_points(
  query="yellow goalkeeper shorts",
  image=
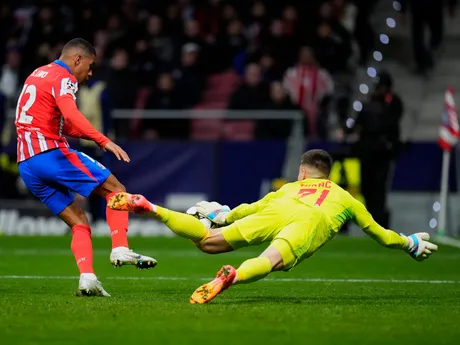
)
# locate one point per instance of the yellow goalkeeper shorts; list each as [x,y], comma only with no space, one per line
[304,229]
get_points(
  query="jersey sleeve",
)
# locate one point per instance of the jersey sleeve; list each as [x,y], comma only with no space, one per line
[64,89]
[65,86]
[245,210]
[78,125]
[364,220]
[72,132]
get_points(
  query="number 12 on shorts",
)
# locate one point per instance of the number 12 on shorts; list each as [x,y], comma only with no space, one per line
[309,191]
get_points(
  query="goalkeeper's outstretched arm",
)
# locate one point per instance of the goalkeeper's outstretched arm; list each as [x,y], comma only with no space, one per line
[416,245]
[386,238]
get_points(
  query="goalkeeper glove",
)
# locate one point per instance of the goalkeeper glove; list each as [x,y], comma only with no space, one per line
[214,211]
[418,246]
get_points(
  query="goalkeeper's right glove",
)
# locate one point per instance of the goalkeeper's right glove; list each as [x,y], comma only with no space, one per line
[214,211]
[419,247]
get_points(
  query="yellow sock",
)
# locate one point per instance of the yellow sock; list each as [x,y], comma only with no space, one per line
[254,269]
[181,224]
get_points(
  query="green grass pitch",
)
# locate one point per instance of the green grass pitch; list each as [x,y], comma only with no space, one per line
[351,292]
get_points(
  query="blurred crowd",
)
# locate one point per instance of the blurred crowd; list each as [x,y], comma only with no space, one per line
[159,54]
[181,54]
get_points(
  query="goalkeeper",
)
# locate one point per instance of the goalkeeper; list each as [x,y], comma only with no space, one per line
[296,220]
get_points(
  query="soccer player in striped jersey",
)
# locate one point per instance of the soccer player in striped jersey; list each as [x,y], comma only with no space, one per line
[46,113]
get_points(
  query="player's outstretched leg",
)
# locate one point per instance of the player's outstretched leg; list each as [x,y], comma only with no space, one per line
[181,224]
[118,223]
[251,270]
[276,257]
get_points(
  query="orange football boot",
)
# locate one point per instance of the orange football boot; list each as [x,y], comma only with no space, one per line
[135,203]
[208,291]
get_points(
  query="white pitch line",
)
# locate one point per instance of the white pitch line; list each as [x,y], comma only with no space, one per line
[196,253]
[300,280]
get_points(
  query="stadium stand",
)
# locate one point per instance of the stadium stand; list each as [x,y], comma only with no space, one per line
[189,54]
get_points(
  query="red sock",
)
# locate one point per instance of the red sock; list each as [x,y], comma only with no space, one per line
[82,248]
[118,224]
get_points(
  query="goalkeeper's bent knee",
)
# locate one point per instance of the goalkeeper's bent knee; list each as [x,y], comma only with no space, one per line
[283,247]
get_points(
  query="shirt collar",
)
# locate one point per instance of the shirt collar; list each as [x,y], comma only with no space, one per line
[62,64]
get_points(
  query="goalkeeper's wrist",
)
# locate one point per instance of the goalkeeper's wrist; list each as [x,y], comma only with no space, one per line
[409,243]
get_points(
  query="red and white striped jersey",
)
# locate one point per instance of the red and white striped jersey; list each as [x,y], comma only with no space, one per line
[39,122]
[307,86]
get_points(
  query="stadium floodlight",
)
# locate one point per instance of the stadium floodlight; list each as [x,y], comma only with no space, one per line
[384,38]
[350,122]
[377,56]
[391,23]
[433,223]
[372,72]
[364,89]
[357,106]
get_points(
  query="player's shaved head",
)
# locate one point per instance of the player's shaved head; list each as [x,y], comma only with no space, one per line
[315,164]
[78,46]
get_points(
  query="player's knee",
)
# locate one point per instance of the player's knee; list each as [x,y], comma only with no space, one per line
[280,255]
[113,185]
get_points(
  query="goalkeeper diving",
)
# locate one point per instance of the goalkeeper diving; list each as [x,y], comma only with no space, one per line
[296,220]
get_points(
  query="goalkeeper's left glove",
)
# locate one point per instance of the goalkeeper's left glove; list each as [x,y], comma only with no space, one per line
[419,247]
[214,211]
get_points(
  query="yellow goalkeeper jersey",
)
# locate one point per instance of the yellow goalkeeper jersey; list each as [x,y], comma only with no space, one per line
[326,197]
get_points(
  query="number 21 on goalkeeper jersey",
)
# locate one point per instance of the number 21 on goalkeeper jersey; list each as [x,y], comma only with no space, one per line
[325,194]
[314,193]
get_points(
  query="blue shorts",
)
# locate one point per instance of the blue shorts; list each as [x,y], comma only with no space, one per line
[54,175]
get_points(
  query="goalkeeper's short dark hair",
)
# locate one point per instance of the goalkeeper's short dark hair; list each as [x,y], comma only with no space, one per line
[318,159]
[81,43]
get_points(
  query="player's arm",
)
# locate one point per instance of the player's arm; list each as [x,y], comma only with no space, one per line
[416,245]
[245,210]
[77,125]
[80,127]
[221,215]
[386,238]
[69,131]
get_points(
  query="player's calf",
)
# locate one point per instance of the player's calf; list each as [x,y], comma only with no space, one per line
[118,222]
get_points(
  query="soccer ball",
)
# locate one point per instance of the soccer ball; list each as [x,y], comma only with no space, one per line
[205,221]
